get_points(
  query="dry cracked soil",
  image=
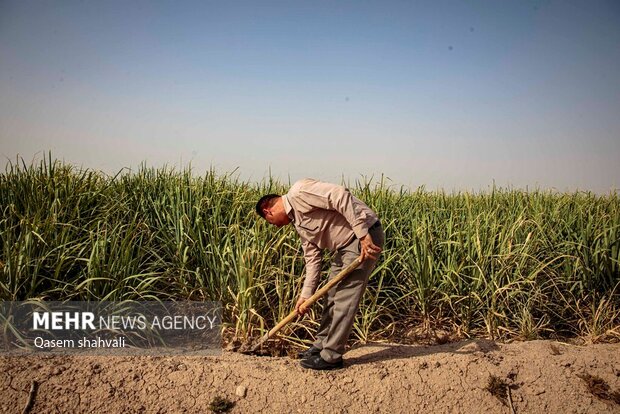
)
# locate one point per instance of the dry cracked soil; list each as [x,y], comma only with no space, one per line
[533,377]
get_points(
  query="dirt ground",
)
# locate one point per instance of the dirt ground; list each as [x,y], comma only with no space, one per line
[543,376]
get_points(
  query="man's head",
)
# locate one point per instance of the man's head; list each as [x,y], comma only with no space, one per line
[271,208]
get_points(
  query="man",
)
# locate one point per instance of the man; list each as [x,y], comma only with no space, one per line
[327,216]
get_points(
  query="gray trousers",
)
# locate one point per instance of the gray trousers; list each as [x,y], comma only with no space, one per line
[342,301]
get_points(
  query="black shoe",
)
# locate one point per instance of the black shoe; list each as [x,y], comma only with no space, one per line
[318,363]
[310,352]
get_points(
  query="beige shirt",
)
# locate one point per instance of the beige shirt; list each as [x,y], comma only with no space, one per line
[326,216]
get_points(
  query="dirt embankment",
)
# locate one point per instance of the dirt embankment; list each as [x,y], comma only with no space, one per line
[528,377]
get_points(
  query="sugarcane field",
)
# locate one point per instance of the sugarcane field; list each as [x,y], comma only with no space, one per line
[513,287]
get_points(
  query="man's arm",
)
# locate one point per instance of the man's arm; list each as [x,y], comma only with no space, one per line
[313,258]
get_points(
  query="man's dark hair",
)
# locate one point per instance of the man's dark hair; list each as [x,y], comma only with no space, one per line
[264,202]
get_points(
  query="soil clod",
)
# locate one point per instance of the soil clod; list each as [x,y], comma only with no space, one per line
[554,350]
[241,391]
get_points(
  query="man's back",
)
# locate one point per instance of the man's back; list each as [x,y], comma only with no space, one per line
[326,214]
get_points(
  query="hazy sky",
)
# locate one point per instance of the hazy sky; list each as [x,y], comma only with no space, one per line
[451,95]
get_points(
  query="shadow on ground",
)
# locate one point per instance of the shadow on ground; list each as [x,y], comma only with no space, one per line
[386,352]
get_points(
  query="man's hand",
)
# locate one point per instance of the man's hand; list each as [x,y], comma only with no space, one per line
[302,310]
[368,250]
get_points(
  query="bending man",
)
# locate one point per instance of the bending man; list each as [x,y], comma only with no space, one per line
[327,216]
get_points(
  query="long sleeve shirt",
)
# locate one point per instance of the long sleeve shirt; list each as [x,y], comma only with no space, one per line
[326,216]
